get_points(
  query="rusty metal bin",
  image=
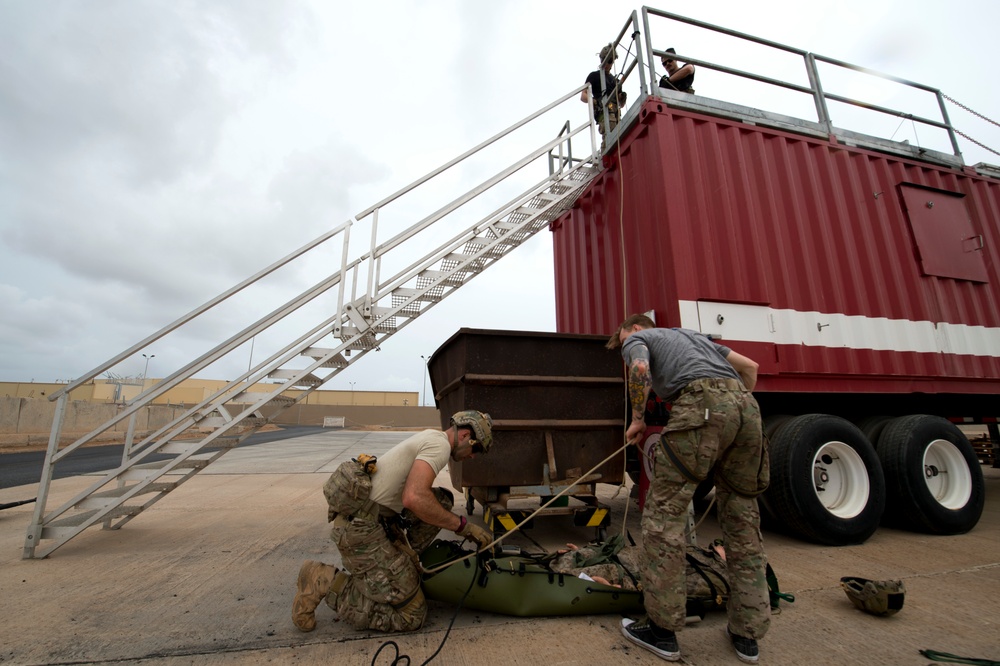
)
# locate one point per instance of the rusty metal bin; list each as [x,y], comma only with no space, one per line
[558,406]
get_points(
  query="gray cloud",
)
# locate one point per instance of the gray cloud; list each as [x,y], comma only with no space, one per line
[153,154]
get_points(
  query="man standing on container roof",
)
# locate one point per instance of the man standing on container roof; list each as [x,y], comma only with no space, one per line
[606,90]
[714,428]
[370,500]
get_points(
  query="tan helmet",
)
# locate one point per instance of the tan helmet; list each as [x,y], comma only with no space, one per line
[481,424]
[878,597]
[608,52]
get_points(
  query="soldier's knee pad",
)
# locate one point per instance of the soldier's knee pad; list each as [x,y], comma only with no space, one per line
[339,582]
[414,611]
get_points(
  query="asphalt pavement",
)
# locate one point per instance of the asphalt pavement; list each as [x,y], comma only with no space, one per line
[18,468]
[207,576]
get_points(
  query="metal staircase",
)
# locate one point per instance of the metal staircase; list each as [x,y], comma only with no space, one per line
[363,317]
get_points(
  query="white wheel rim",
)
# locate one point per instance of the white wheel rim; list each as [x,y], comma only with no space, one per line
[840,479]
[947,474]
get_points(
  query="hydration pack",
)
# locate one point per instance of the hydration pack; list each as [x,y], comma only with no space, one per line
[349,486]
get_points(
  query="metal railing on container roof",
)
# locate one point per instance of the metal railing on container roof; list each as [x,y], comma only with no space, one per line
[815,88]
[631,62]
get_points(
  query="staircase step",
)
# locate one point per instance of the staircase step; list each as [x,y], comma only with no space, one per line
[404,294]
[446,279]
[293,379]
[213,422]
[335,361]
[474,264]
[253,397]
[148,470]
[107,497]
[65,527]
[182,445]
[363,341]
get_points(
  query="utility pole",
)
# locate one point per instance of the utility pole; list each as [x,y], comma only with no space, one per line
[423,400]
[144,370]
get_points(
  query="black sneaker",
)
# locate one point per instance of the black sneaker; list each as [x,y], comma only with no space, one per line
[746,648]
[642,635]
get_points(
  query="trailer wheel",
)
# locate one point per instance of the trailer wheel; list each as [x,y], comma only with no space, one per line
[873,426]
[933,475]
[826,480]
[770,425]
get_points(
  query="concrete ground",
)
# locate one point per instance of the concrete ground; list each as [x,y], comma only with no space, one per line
[206,576]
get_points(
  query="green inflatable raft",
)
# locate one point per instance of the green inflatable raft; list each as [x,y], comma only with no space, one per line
[519,585]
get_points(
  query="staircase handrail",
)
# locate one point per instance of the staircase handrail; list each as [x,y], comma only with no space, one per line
[493,139]
[208,305]
[260,371]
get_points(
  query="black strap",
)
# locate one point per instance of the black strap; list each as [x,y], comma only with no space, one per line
[403,604]
[681,467]
[696,565]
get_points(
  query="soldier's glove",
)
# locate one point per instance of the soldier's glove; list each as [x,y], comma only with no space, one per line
[473,532]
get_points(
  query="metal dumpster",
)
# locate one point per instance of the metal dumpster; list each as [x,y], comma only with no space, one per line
[558,407]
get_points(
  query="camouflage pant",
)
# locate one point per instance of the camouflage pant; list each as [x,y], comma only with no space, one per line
[626,572]
[613,117]
[383,591]
[729,441]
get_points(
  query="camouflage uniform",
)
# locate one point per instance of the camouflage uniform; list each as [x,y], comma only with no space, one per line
[383,591]
[593,561]
[606,94]
[729,440]
[613,112]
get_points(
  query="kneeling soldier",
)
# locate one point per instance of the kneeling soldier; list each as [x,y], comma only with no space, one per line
[383,516]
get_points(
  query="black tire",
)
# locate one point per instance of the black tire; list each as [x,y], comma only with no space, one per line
[773,422]
[770,425]
[873,426]
[935,484]
[826,480]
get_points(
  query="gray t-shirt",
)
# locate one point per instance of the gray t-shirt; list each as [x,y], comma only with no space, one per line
[677,357]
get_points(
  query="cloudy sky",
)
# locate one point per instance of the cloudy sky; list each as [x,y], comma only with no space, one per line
[153,154]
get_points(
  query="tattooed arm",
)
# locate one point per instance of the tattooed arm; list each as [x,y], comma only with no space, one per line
[639,384]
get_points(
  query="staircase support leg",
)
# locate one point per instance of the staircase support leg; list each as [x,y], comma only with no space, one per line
[34,534]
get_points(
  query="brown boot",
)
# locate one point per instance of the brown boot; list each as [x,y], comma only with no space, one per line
[315,579]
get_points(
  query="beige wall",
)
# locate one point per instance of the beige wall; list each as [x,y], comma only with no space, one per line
[39,390]
[193,391]
[362,416]
[25,421]
[29,420]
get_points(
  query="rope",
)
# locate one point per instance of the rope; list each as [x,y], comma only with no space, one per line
[621,228]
